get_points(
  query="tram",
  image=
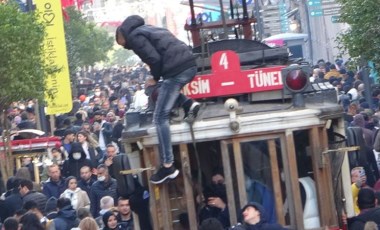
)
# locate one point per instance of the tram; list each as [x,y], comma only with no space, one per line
[278,139]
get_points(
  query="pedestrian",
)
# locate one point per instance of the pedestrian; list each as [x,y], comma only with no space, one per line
[11,223]
[78,197]
[171,59]
[104,186]
[110,221]
[254,218]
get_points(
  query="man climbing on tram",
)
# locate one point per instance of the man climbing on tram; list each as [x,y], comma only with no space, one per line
[172,60]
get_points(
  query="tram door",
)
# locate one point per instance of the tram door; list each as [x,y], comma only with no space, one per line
[253,169]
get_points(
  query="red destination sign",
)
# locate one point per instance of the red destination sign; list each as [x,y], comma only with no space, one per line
[227,78]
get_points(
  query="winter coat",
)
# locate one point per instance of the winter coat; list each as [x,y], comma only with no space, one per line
[106,134]
[52,188]
[13,202]
[72,167]
[66,219]
[157,47]
[95,154]
[261,225]
[100,189]
[37,197]
[358,222]
[86,186]
[78,197]
[258,226]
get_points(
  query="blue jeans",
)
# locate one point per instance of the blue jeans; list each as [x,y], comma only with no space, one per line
[169,96]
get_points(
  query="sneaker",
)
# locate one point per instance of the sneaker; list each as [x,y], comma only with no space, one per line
[193,112]
[163,174]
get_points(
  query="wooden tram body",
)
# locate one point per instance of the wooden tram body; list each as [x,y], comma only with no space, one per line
[258,143]
[296,153]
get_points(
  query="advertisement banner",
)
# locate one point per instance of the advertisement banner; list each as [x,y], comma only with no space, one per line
[58,89]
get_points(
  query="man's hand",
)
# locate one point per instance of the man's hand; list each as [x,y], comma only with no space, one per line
[216,202]
[108,161]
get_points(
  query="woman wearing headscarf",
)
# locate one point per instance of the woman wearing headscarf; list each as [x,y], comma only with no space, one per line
[110,221]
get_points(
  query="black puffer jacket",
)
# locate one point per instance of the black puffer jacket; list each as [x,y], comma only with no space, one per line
[159,48]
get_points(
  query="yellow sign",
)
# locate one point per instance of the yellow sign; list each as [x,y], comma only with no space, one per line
[58,89]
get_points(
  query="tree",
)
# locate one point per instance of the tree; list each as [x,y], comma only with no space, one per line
[362,38]
[86,43]
[122,57]
[22,71]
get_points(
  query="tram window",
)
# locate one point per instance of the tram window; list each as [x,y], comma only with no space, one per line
[259,161]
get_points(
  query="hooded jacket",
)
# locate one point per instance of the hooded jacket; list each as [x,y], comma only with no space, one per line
[159,48]
[66,219]
[71,167]
[262,224]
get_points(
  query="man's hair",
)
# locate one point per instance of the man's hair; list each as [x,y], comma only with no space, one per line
[111,145]
[107,202]
[366,198]
[11,223]
[121,198]
[85,166]
[52,166]
[63,202]
[211,224]
[29,205]
[26,183]
[102,166]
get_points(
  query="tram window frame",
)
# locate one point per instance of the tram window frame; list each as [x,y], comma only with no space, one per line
[232,162]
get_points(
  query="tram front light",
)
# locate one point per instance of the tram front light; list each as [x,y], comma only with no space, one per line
[296,81]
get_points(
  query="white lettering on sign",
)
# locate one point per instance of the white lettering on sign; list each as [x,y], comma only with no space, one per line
[198,86]
[227,83]
[264,79]
[223,60]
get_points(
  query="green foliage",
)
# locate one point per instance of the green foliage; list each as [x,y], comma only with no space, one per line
[362,38]
[22,71]
[86,43]
[122,57]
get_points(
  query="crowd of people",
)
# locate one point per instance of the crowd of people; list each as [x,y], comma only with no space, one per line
[79,189]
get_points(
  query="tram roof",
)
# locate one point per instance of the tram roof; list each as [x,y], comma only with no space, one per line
[213,121]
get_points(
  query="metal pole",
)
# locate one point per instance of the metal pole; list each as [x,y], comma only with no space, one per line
[245,11]
[193,21]
[225,30]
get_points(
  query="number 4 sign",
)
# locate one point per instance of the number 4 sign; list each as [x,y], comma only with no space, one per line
[227,78]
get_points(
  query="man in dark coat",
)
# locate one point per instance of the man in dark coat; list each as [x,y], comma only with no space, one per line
[86,179]
[171,59]
[27,193]
[368,211]
[66,217]
[255,219]
[104,186]
[77,159]
[13,201]
[55,185]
